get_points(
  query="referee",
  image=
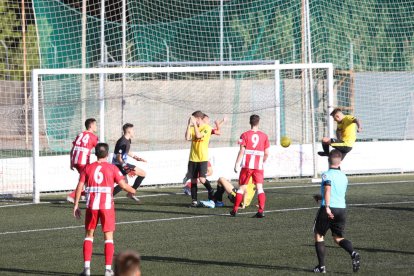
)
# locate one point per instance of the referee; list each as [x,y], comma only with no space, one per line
[332,213]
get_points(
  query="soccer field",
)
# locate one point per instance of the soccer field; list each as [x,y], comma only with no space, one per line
[173,239]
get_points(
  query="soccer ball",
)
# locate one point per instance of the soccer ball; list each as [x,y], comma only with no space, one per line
[285,141]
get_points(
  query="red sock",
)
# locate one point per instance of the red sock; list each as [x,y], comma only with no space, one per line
[72,194]
[83,193]
[262,199]
[87,249]
[109,252]
[237,201]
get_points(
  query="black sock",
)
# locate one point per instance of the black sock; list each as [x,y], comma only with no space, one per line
[325,148]
[320,252]
[207,184]
[138,181]
[117,189]
[194,190]
[347,245]
[219,193]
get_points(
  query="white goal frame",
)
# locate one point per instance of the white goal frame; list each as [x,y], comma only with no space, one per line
[276,67]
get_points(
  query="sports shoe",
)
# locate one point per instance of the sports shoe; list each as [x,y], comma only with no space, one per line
[86,272]
[207,203]
[219,204]
[259,215]
[194,204]
[322,153]
[109,272]
[356,261]
[133,197]
[233,213]
[319,269]
[187,190]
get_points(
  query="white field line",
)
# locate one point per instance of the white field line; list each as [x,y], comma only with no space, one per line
[199,216]
[268,188]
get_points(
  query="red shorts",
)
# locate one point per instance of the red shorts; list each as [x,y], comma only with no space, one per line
[79,167]
[106,217]
[256,175]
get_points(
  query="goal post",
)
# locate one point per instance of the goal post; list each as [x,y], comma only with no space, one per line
[159,107]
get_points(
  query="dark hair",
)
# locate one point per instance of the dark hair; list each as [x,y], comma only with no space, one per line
[126,263]
[254,120]
[335,156]
[198,114]
[101,150]
[89,122]
[126,126]
[336,110]
[205,116]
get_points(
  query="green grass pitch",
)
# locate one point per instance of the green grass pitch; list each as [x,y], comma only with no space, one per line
[173,239]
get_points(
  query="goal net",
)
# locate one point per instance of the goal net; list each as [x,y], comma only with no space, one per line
[159,101]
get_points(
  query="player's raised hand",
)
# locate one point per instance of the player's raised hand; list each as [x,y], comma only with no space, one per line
[77,212]
[193,120]
[236,168]
[359,129]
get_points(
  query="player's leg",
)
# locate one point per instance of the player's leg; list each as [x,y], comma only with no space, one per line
[244,177]
[321,226]
[71,197]
[117,188]
[91,221]
[218,195]
[203,166]
[193,174]
[326,141]
[107,218]
[258,179]
[338,228]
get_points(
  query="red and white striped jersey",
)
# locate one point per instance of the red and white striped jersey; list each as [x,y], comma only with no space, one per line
[255,143]
[99,179]
[82,146]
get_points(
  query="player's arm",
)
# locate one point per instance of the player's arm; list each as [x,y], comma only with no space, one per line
[71,159]
[358,123]
[218,124]
[327,196]
[239,158]
[122,183]
[266,154]
[188,135]
[133,155]
[339,134]
[76,210]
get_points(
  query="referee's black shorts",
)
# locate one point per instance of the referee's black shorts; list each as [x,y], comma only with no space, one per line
[323,223]
[197,169]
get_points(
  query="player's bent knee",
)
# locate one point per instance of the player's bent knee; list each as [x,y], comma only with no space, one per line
[337,239]
[326,140]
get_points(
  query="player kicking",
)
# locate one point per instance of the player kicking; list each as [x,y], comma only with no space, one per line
[121,153]
[332,213]
[199,134]
[254,150]
[81,150]
[99,179]
[345,133]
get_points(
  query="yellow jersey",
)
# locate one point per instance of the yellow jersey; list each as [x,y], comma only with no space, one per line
[347,127]
[249,195]
[199,147]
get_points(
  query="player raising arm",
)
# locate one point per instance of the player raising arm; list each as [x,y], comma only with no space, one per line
[348,125]
[121,153]
[332,213]
[81,150]
[99,179]
[254,150]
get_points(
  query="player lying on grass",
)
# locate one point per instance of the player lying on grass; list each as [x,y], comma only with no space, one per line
[99,179]
[120,157]
[215,131]
[332,213]
[81,150]
[254,150]
[346,130]
[224,185]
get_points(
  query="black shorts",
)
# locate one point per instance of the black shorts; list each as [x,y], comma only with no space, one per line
[197,169]
[122,169]
[343,149]
[323,223]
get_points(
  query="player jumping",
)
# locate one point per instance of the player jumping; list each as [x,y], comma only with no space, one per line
[254,150]
[120,157]
[345,133]
[81,150]
[99,179]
